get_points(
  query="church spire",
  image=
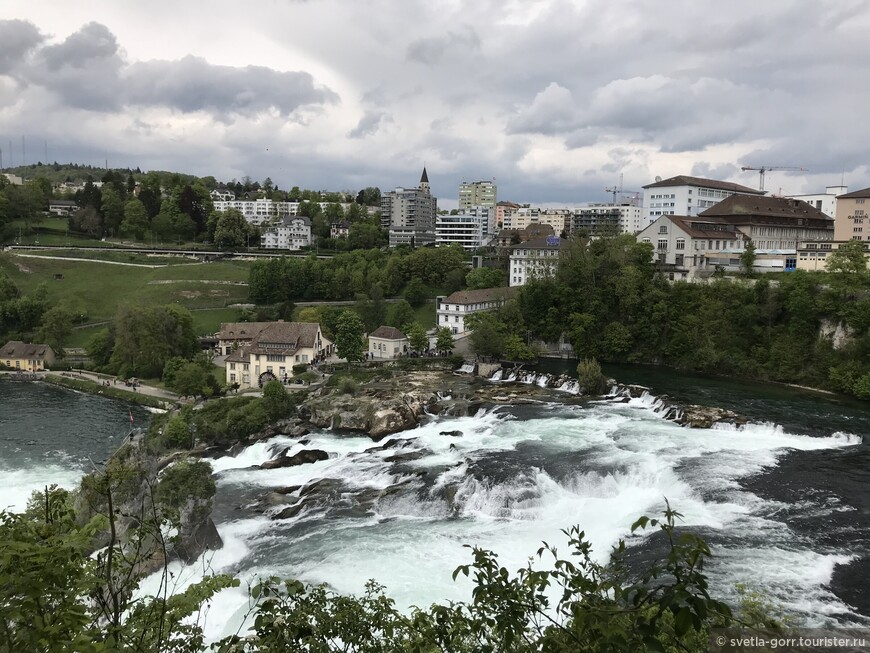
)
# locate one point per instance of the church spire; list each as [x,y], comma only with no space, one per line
[424,180]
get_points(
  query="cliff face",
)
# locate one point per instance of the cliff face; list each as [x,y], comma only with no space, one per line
[156,510]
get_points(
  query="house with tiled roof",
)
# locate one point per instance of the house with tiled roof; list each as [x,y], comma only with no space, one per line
[687,195]
[272,351]
[451,311]
[388,342]
[26,357]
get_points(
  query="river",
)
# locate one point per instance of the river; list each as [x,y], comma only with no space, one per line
[783,502]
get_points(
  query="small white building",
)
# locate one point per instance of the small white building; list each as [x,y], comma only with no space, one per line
[62,208]
[339,229]
[536,258]
[222,195]
[292,232]
[388,342]
[451,311]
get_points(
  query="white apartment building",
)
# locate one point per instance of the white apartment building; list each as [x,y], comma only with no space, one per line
[477,193]
[689,196]
[257,212]
[535,259]
[451,311]
[825,202]
[624,218]
[469,228]
[292,232]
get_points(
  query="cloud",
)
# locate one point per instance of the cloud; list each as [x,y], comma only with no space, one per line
[552,111]
[431,50]
[368,124]
[88,70]
[17,39]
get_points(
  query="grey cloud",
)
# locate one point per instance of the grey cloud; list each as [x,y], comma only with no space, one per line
[88,71]
[17,39]
[92,43]
[431,50]
[368,124]
[193,84]
[715,171]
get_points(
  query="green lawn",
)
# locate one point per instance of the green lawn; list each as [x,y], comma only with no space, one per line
[209,322]
[425,315]
[99,288]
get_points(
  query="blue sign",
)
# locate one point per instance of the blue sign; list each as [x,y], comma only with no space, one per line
[552,241]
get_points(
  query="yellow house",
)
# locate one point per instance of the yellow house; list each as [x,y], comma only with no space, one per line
[26,357]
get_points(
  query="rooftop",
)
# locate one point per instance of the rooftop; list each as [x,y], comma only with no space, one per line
[854,195]
[685,180]
[387,333]
[19,349]
[771,207]
[480,296]
[550,242]
[696,228]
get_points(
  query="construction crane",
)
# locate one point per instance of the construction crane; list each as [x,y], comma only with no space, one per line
[764,169]
[618,190]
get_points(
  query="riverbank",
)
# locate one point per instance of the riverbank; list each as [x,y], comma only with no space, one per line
[114,392]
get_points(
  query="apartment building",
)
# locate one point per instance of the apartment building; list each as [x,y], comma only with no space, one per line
[409,214]
[688,196]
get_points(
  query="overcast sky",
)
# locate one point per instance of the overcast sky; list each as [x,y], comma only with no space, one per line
[551,98]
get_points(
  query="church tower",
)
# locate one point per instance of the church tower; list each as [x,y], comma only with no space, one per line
[424,181]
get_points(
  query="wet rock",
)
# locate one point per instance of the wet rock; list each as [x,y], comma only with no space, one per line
[452,434]
[703,417]
[404,457]
[290,511]
[303,457]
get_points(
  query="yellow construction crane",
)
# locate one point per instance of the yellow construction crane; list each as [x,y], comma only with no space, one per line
[764,169]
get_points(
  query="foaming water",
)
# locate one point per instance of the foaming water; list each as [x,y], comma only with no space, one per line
[505,479]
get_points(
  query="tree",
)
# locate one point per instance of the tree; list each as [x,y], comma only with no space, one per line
[517,350]
[276,401]
[444,339]
[485,278]
[87,220]
[112,209]
[417,337]
[231,229]
[190,381]
[747,259]
[590,377]
[400,314]
[135,221]
[415,292]
[349,331]
[57,324]
[848,265]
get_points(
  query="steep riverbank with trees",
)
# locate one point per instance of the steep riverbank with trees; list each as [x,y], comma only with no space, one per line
[609,301]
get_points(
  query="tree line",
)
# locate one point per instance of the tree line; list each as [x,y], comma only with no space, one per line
[611,303]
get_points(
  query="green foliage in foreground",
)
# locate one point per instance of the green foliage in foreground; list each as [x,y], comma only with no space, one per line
[555,604]
[115,392]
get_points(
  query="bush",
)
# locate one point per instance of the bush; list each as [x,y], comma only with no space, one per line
[186,479]
[299,369]
[591,378]
[347,386]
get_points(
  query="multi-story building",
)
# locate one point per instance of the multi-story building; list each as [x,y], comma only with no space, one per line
[292,232]
[689,196]
[477,193]
[469,228]
[689,248]
[773,223]
[693,247]
[388,342]
[504,211]
[452,311]
[409,214]
[272,351]
[852,221]
[535,259]
[559,219]
[825,202]
[222,195]
[595,219]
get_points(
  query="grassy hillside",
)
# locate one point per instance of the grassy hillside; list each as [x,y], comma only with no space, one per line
[100,287]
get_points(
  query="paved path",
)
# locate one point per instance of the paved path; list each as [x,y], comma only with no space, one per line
[118,384]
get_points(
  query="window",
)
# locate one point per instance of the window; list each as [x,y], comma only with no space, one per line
[275,358]
[859,201]
[232,378]
[663,229]
[232,366]
[681,243]
[663,243]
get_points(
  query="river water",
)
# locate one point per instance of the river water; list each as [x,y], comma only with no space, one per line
[783,501]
